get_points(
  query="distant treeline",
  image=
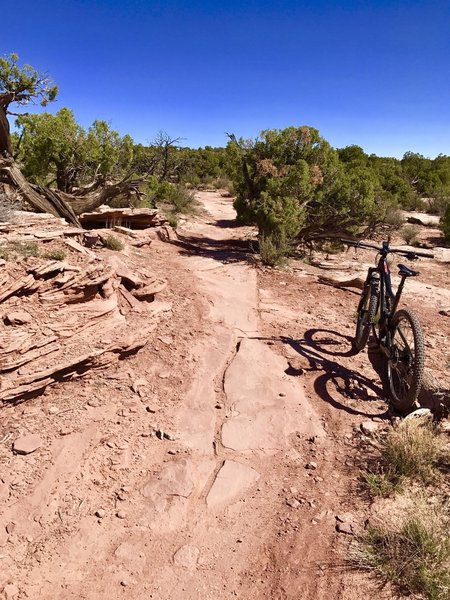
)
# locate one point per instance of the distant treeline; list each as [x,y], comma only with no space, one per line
[291,183]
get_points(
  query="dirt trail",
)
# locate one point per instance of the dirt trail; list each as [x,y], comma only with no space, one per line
[256,399]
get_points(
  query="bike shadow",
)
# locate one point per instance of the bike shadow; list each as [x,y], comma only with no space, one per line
[318,347]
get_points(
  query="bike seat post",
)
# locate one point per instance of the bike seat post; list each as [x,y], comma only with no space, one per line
[398,293]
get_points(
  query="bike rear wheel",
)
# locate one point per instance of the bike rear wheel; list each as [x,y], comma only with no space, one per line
[407,358]
[367,309]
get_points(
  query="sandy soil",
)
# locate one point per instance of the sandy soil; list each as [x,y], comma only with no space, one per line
[257,401]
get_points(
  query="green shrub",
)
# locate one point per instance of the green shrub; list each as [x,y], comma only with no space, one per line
[112,243]
[410,233]
[173,220]
[273,249]
[180,199]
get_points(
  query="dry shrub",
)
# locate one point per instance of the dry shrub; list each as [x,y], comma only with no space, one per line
[8,204]
[410,233]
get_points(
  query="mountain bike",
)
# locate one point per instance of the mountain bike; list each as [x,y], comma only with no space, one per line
[398,333]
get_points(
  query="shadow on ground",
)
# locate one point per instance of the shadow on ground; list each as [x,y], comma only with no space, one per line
[229,250]
[319,346]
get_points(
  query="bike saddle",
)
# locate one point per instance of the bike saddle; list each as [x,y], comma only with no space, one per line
[406,271]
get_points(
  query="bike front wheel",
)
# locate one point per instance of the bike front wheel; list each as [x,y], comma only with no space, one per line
[406,361]
[367,309]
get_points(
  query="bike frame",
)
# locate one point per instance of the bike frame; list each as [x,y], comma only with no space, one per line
[379,279]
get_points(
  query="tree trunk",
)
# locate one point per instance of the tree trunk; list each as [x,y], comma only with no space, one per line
[11,175]
[5,137]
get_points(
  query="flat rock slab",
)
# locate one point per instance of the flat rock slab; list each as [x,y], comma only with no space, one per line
[231,482]
[170,494]
[267,405]
[27,444]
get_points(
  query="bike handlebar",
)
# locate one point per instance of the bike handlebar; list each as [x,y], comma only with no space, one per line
[386,250]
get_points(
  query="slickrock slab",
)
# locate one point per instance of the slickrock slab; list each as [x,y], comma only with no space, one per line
[231,482]
[267,405]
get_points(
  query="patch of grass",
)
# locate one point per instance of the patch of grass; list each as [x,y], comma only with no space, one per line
[112,243]
[413,450]
[56,254]
[414,554]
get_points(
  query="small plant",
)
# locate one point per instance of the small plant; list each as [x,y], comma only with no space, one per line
[26,249]
[112,243]
[381,484]
[410,233]
[56,254]
[414,555]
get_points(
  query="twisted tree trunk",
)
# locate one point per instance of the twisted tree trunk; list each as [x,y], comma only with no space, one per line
[62,204]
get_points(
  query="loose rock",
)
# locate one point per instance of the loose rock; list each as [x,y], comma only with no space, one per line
[369,427]
[100,513]
[11,591]
[10,527]
[344,528]
[18,317]
[186,557]
[27,444]
[292,502]
[311,465]
[420,413]
[120,514]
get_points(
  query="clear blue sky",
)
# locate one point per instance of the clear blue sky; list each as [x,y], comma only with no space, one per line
[370,72]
